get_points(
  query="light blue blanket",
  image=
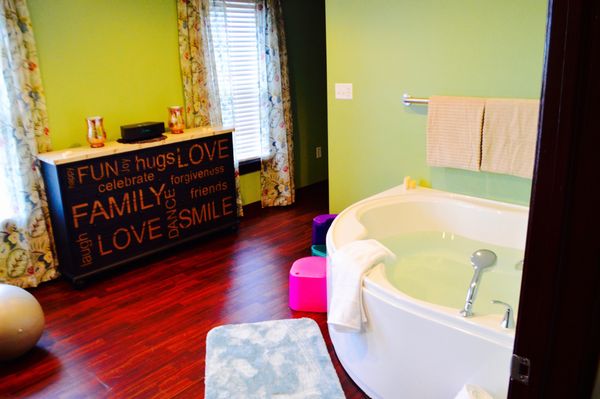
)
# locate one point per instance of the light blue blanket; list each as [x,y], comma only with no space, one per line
[271,359]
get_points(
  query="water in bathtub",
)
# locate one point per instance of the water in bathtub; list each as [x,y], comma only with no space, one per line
[435,267]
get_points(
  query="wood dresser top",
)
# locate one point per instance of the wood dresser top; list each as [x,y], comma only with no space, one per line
[113,147]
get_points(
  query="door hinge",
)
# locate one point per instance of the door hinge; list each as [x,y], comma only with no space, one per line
[519,369]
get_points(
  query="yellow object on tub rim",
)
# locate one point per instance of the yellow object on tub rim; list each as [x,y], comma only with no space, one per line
[409,183]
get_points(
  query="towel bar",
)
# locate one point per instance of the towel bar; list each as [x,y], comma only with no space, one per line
[408,100]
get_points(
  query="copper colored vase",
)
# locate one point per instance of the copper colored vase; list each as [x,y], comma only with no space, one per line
[176,119]
[96,135]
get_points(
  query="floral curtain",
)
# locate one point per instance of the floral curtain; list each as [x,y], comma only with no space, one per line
[277,166]
[199,71]
[26,252]
[201,65]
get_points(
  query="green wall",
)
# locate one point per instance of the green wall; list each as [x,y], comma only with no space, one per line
[114,58]
[120,59]
[250,187]
[305,36]
[428,47]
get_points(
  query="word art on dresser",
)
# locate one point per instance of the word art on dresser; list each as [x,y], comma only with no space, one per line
[112,209]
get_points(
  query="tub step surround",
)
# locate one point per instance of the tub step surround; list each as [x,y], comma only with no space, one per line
[409,340]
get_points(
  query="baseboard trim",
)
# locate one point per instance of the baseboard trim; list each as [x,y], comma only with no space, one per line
[316,189]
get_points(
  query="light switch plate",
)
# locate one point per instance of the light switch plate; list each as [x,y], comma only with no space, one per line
[343,91]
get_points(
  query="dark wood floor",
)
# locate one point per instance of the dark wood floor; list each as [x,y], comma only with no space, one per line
[141,332]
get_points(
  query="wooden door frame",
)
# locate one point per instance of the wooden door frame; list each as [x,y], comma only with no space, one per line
[558,326]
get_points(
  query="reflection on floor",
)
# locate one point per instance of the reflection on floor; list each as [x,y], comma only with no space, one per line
[140,331]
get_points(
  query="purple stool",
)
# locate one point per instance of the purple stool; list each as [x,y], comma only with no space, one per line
[320,226]
[308,287]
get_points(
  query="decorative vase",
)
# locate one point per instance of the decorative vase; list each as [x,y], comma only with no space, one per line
[176,119]
[96,135]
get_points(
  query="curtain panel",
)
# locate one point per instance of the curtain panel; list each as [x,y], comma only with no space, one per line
[199,72]
[26,249]
[202,63]
[277,165]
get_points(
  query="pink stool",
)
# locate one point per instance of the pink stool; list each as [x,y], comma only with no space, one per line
[308,287]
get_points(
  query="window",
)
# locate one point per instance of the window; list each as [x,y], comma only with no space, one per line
[234,38]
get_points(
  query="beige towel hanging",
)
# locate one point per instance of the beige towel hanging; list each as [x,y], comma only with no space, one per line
[454,132]
[509,136]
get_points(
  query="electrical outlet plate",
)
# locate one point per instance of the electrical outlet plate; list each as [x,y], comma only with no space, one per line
[343,91]
[318,153]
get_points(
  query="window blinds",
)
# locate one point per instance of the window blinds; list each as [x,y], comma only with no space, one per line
[234,39]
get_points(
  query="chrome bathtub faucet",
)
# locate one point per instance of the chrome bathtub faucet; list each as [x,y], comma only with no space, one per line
[508,321]
[481,260]
[519,264]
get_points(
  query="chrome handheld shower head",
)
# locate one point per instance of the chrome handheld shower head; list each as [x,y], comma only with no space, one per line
[481,260]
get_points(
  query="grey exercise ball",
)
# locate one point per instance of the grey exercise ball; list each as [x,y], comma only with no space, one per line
[21,321]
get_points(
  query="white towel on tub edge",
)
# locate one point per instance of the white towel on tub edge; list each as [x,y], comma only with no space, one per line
[348,267]
[469,391]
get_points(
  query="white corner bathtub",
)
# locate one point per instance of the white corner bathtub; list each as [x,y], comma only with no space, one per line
[415,344]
